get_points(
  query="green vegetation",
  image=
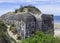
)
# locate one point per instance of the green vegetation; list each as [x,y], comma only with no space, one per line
[2,26]
[30,8]
[3,34]
[40,37]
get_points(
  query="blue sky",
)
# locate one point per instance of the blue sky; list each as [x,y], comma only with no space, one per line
[46,6]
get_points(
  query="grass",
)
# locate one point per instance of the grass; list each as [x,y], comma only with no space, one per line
[40,37]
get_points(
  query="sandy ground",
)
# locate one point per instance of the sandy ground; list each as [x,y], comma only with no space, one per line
[57,29]
[11,34]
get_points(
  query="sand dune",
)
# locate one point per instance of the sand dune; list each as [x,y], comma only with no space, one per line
[57,26]
[57,29]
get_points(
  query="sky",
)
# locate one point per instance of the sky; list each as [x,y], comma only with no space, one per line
[45,6]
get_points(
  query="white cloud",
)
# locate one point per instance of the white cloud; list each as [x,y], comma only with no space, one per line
[50,9]
[5,11]
[7,0]
[41,0]
[15,1]
[46,8]
[57,0]
[18,1]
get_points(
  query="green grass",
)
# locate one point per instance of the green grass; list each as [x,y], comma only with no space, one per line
[40,37]
[3,33]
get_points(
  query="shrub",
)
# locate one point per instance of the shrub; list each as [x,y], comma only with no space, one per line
[3,35]
[40,37]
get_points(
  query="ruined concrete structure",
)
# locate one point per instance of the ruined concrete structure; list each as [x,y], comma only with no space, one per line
[28,23]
